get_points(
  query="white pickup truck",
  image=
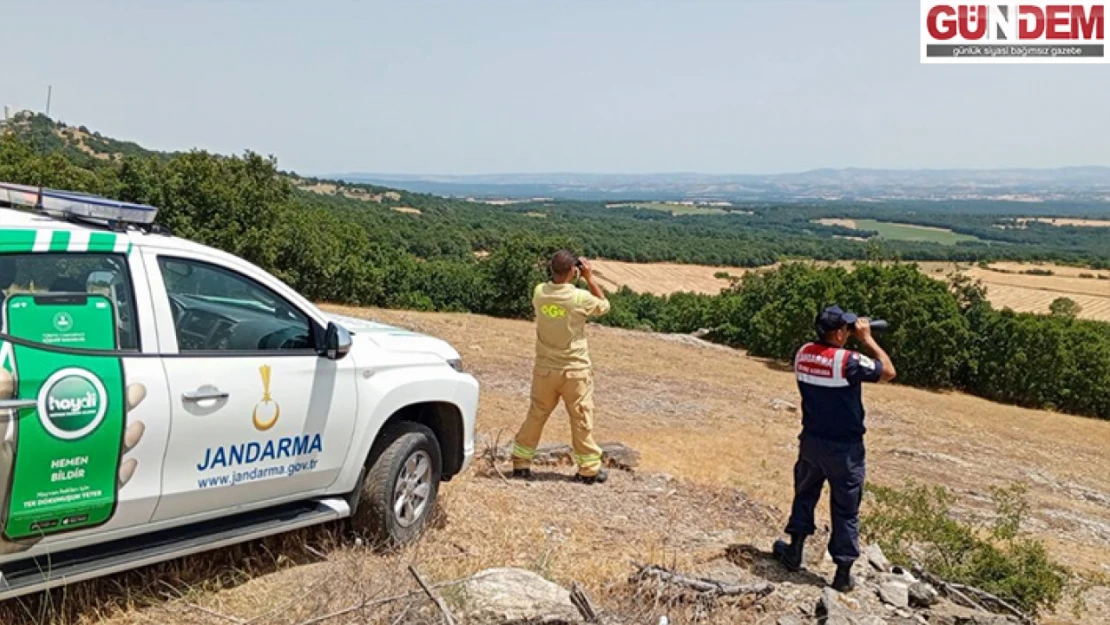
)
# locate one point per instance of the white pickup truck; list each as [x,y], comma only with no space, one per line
[160,398]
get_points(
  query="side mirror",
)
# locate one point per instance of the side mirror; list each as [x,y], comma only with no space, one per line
[337,342]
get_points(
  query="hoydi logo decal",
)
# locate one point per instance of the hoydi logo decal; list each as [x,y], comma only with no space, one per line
[63,322]
[1031,32]
[267,411]
[72,403]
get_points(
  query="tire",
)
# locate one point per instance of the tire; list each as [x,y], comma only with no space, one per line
[405,452]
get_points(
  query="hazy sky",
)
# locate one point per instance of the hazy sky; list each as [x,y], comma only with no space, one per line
[482,86]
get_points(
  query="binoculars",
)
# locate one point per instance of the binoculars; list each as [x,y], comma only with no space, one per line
[876,324]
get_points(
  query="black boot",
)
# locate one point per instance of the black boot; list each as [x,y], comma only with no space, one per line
[790,555]
[522,474]
[843,581]
[600,478]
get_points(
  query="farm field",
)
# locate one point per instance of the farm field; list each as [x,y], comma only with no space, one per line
[902,232]
[1065,221]
[662,278]
[1034,293]
[674,209]
[1006,285]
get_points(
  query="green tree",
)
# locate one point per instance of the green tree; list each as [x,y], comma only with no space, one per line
[1065,307]
[511,272]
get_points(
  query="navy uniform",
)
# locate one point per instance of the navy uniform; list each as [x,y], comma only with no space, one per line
[830,380]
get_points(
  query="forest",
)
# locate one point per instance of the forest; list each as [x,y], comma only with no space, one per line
[452,255]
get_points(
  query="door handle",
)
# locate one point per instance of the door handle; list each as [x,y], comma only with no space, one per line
[17,404]
[204,393]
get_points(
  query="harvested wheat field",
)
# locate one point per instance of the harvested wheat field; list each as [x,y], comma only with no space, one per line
[1007,286]
[1065,221]
[714,480]
[662,278]
[847,223]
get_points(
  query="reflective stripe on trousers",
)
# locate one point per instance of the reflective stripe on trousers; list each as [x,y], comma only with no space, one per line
[576,389]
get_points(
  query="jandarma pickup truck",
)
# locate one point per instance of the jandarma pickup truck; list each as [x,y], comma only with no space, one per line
[160,398]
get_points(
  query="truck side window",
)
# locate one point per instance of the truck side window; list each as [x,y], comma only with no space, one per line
[74,273]
[219,310]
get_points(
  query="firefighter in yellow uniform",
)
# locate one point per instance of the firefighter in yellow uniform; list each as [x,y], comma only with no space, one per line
[563,368]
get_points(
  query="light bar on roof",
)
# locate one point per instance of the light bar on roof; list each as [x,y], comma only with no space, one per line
[74,204]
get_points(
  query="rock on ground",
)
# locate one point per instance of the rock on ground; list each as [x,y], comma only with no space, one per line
[895,593]
[506,596]
[877,559]
[952,614]
[613,455]
[835,608]
[923,595]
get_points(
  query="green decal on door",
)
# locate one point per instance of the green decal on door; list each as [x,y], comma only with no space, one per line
[67,448]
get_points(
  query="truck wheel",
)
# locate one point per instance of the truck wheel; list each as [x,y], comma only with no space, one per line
[400,487]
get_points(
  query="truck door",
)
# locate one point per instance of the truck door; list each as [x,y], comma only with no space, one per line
[83,412]
[258,416]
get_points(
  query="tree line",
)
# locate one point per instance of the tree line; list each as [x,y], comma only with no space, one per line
[943,335]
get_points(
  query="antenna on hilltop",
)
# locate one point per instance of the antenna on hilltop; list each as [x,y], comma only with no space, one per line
[49,89]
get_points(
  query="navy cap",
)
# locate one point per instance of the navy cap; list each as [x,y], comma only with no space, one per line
[833,318]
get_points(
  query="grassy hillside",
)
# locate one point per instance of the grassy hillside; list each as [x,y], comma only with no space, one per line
[714,484]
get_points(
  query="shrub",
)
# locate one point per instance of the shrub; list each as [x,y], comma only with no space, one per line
[1065,307]
[914,524]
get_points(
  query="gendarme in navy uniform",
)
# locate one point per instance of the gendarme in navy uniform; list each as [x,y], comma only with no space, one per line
[830,381]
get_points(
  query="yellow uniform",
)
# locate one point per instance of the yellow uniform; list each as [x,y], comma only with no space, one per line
[562,369]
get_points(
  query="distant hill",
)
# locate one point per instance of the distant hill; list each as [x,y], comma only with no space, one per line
[76,142]
[1087,184]
[82,145]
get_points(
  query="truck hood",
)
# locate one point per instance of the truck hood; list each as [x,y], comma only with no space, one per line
[394,339]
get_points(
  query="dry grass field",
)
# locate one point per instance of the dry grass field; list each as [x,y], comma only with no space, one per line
[662,278]
[847,223]
[715,472]
[1006,286]
[1065,221]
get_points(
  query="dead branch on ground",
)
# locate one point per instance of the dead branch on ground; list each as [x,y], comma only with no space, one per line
[582,601]
[972,597]
[703,586]
[433,595]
